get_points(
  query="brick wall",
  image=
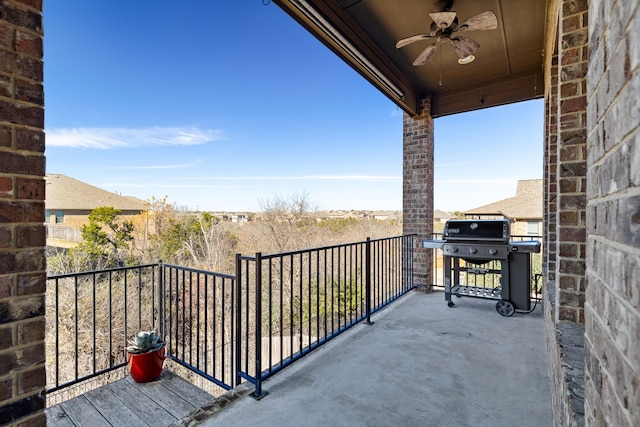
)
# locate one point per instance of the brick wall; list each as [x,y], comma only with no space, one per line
[417,192]
[571,156]
[22,234]
[612,311]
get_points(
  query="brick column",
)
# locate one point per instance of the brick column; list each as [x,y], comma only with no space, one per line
[571,171]
[550,207]
[417,191]
[22,234]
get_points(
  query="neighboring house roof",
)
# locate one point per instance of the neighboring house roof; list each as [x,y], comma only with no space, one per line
[527,204]
[440,215]
[64,193]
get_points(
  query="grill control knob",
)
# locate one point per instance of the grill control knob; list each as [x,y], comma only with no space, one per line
[454,249]
[473,250]
[493,251]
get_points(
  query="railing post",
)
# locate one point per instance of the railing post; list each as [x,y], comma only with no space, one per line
[161,299]
[238,310]
[367,279]
[410,259]
[258,393]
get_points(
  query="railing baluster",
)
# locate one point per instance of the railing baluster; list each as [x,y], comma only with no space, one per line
[126,306]
[197,349]
[110,284]
[326,295]
[139,300]
[317,297]
[367,272]
[309,306]
[281,285]
[93,323]
[75,317]
[57,332]
[291,294]
[270,299]
[301,299]
[258,394]
[238,347]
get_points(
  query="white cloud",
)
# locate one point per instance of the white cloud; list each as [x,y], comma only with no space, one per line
[106,138]
[163,185]
[369,178]
[155,167]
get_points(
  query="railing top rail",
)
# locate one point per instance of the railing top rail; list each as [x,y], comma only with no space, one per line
[106,270]
[200,271]
[322,248]
[525,236]
[136,267]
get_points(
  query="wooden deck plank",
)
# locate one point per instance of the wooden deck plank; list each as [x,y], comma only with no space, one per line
[151,412]
[125,402]
[83,413]
[172,402]
[188,391]
[113,409]
[56,417]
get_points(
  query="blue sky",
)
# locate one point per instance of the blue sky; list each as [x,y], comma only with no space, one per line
[223,105]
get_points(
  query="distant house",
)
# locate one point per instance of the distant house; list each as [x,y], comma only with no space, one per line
[524,210]
[233,217]
[68,203]
[441,216]
[382,215]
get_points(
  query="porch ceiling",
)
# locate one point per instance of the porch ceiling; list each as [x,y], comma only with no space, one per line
[508,66]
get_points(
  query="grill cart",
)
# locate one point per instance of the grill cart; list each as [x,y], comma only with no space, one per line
[474,252]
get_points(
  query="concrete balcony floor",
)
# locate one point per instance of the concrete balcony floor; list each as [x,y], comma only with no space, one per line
[421,364]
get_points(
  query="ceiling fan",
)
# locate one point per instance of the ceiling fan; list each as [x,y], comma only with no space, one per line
[445,27]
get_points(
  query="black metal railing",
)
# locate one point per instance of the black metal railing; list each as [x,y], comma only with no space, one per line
[222,327]
[489,276]
[199,321]
[293,302]
[92,313]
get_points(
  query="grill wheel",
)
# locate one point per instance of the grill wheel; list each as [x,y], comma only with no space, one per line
[505,308]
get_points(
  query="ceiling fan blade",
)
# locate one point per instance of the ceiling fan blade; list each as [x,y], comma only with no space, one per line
[483,21]
[412,39]
[443,19]
[464,46]
[426,56]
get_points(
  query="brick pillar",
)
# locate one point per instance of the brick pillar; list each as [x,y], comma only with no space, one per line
[571,171]
[22,233]
[417,191]
[550,207]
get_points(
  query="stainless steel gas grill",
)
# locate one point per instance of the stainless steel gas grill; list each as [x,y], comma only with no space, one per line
[474,252]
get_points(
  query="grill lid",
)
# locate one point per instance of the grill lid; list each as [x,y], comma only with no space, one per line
[494,230]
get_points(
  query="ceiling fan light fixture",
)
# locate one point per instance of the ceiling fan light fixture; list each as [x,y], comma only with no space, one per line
[466,60]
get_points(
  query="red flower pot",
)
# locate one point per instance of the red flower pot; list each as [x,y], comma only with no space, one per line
[145,367]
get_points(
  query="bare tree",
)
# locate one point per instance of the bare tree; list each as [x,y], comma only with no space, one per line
[209,245]
[286,223]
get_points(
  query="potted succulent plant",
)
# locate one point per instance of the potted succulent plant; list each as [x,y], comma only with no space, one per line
[145,356]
